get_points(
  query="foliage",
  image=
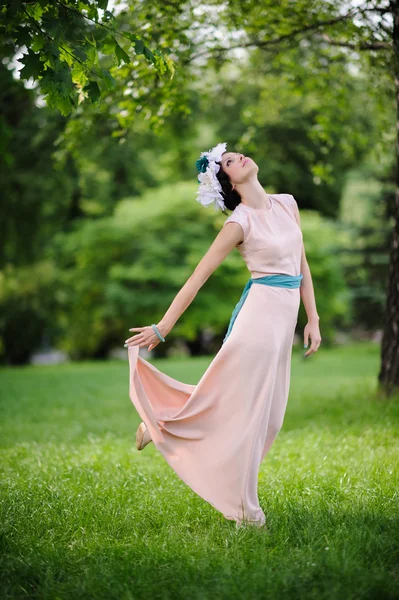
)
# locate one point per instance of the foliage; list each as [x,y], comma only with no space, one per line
[324,239]
[35,193]
[306,109]
[305,132]
[63,42]
[29,301]
[124,271]
[367,217]
[52,172]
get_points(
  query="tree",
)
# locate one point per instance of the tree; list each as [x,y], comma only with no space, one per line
[204,37]
[34,194]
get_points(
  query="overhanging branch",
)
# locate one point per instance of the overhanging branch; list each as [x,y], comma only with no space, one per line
[376,45]
[359,46]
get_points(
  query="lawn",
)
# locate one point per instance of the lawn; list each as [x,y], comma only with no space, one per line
[85,515]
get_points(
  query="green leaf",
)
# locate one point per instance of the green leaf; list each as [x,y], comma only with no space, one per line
[54,50]
[53,26]
[78,52]
[23,37]
[93,91]
[121,54]
[79,74]
[92,12]
[34,10]
[108,79]
[139,47]
[63,79]
[102,4]
[108,45]
[62,103]
[130,36]
[14,7]
[38,42]
[92,55]
[148,54]
[33,66]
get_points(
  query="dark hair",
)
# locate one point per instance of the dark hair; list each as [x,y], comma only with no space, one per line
[231,197]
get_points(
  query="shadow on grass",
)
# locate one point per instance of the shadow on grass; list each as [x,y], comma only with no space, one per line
[306,554]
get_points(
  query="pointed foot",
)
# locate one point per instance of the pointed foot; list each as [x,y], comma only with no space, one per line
[142,436]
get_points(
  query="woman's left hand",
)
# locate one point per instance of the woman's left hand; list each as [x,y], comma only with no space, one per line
[146,337]
[311,330]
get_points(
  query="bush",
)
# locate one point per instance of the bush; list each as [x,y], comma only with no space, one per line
[28,303]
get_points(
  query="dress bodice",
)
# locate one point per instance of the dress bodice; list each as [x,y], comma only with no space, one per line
[272,237]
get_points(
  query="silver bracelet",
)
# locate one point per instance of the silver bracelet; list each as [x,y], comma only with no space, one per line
[155,328]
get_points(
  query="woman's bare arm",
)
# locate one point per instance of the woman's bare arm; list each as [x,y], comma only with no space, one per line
[227,238]
[306,289]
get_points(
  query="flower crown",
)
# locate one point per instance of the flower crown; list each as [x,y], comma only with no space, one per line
[210,190]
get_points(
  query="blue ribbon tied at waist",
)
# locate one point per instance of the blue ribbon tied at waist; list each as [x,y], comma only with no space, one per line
[287,281]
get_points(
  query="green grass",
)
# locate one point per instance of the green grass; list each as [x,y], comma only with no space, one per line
[84,515]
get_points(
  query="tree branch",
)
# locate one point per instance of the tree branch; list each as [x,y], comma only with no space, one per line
[302,30]
[360,46]
[88,69]
[82,16]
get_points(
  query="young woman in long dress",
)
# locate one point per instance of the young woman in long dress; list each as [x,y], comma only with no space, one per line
[215,434]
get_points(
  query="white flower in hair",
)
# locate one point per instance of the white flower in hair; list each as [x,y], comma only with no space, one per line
[210,190]
[216,152]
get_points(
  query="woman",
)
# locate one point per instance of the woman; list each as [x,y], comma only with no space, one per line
[216,433]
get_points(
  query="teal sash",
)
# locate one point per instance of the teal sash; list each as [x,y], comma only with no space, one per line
[287,281]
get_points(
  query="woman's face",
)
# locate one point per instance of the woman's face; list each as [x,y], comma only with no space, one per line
[238,167]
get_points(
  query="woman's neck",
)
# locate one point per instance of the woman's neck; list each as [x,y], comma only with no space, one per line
[252,194]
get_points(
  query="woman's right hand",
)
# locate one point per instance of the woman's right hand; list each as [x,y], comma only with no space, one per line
[146,336]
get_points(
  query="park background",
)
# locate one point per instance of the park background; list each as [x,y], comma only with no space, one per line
[100,228]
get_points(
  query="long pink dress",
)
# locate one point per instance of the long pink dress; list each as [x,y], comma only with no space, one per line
[215,434]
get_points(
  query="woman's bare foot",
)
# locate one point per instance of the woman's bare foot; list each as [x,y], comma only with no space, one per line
[142,436]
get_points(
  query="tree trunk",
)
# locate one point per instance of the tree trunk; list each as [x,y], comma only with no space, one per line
[388,376]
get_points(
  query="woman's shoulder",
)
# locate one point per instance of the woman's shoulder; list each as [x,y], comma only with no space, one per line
[238,208]
[240,216]
[284,198]
[239,212]
[288,202]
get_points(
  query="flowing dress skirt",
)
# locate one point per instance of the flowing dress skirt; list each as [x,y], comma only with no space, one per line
[215,434]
